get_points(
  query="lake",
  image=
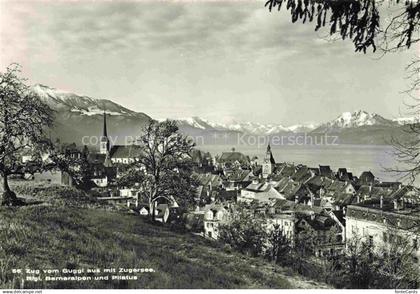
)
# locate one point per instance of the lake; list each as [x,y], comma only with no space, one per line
[356,158]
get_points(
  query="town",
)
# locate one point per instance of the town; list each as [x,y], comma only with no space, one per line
[336,206]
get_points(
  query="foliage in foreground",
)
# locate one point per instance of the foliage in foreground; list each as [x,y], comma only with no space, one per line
[361,267]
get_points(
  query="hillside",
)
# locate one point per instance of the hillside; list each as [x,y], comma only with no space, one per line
[77,116]
[58,237]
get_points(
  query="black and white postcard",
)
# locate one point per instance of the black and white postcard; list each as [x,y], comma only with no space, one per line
[209,144]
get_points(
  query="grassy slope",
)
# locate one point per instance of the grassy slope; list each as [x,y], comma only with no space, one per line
[45,236]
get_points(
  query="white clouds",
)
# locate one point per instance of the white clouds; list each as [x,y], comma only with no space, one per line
[233,59]
[209,28]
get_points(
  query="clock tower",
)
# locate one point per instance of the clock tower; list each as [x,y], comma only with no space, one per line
[268,163]
[104,143]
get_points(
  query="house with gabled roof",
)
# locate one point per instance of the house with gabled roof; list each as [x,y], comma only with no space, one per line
[259,191]
[371,191]
[366,178]
[238,179]
[335,194]
[233,159]
[214,216]
[325,170]
[124,154]
[326,233]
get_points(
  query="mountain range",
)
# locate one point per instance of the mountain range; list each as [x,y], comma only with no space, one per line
[77,116]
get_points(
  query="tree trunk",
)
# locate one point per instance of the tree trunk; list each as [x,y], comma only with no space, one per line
[6,187]
[151,211]
[8,197]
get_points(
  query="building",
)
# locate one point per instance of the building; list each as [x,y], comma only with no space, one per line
[325,170]
[124,154]
[104,146]
[366,178]
[233,159]
[268,163]
[383,221]
[57,177]
[326,233]
[327,228]
[214,215]
[238,179]
[261,192]
[106,163]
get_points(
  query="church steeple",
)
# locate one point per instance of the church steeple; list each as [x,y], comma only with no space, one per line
[269,156]
[105,133]
[104,145]
[268,164]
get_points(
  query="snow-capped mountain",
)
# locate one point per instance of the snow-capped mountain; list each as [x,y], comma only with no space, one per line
[199,123]
[65,101]
[258,128]
[348,120]
[77,117]
[243,127]
[302,128]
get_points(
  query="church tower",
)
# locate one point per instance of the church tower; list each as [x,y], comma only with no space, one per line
[104,144]
[268,163]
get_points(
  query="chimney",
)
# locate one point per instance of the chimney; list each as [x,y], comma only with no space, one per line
[381,202]
[370,187]
[344,210]
[312,215]
[296,199]
[357,199]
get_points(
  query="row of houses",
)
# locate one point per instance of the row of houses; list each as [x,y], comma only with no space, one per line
[336,206]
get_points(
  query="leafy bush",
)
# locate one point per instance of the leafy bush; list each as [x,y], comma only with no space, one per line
[245,233]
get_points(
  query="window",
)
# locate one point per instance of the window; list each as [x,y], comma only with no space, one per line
[385,237]
[370,240]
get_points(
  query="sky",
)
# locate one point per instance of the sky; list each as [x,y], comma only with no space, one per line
[220,60]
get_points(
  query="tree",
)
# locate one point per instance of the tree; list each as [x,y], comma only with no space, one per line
[164,168]
[278,245]
[244,232]
[407,146]
[359,263]
[67,158]
[24,121]
[397,269]
[359,20]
